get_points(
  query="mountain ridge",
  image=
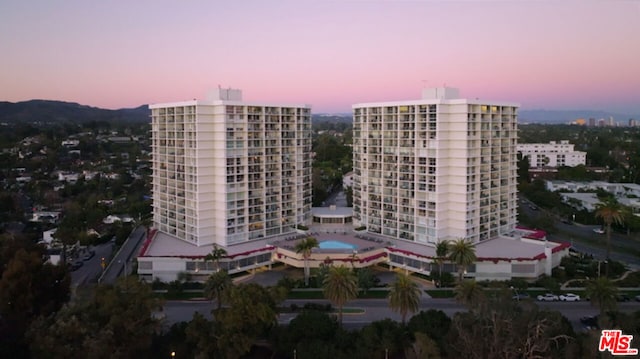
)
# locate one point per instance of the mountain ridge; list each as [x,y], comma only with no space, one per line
[38,110]
[59,111]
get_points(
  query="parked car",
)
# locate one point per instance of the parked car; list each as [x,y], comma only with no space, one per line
[89,255]
[598,230]
[569,297]
[549,297]
[75,265]
[521,296]
[533,207]
[623,298]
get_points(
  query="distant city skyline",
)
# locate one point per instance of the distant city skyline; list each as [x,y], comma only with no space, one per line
[329,54]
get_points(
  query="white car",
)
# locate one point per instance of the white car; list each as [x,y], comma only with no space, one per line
[598,230]
[570,297]
[549,297]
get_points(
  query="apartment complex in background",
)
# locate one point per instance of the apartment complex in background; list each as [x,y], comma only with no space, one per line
[438,168]
[552,154]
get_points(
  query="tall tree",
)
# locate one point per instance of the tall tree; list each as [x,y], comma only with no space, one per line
[423,347]
[312,334]
[28,288]
[502,329]
[603,293]
[382,339]
[404,296]
[117,322]
[67,233]
[305,247]
[442,249]
[610,211]
[251,312]
[463,254]
[434,323]
[216,254]
[469,293]
[217,285]
[340,286]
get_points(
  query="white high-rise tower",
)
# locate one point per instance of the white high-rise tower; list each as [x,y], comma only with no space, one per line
[227,172]
[434,169]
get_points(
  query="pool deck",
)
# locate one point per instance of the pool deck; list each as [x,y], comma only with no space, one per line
[363,242]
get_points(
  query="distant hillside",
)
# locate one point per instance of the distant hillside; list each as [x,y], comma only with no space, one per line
[567,116]
[59,111]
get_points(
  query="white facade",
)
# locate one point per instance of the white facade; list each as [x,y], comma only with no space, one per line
[434,169]
[552,154]
[228,172]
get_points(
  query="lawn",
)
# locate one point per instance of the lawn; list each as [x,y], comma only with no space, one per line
[317,294]
[444,293]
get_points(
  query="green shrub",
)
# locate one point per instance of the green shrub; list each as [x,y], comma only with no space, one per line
[192,285]
[631,281]
[157,284]
[317,307]
[447,279]
[518,283]
[287,282]
[174,288]
[549,283]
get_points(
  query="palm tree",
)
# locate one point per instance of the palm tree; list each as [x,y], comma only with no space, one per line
[442,249]
[305,247]
[217,285]
[469,293]
[216,254]
[611,212]
[340,286]
[603,293]
[463,254]
[404,296]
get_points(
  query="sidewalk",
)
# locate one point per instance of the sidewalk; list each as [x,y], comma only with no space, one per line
[565,285]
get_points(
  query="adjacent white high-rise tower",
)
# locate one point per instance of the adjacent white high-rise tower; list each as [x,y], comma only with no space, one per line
[435,169]
[227,172]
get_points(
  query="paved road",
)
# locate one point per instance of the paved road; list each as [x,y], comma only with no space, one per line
[378,309]
[623,248]
[91,269]
[123,260]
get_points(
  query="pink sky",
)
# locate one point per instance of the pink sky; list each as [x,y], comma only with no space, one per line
[553,54]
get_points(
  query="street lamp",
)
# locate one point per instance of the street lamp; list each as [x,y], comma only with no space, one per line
[599,261]
[173,354]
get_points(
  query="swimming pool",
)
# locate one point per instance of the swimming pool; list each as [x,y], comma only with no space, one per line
[336,245]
